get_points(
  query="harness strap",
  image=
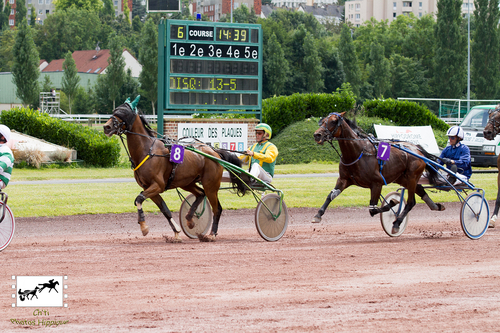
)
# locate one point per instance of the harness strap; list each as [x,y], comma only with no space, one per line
[144,160]
[172,175]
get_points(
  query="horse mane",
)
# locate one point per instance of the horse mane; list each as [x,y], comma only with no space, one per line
[354,126]
[145,123]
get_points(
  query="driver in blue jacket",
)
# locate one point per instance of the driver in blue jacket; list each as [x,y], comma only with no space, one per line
[456,156]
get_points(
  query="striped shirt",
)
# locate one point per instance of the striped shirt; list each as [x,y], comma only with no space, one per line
[6,163]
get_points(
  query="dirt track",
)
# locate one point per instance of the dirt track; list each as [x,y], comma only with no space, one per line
[343,275]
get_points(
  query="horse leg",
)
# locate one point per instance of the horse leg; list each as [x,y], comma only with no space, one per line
[497,204]
[141,217]
[158,200]
[199,193]
[409,205]
[339,187]
[215,223]
[431,204]
[375,195]
[150,192]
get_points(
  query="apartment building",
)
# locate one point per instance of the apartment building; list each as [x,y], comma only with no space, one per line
[46,7]
[297,3]
[215,9]
[359,11]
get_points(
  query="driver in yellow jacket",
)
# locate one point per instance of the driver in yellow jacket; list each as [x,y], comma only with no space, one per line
[262,155]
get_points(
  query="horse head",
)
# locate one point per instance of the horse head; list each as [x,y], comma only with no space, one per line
[493,126]
[329,127]
[121,121]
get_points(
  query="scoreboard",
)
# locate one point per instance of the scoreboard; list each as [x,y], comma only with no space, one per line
[207,67]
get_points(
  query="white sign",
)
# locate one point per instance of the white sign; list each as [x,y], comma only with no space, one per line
[226,136]
[421,135]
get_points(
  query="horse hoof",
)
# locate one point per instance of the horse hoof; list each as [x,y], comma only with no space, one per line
[316,219]
[190,224]
[144,228]
[492,221]
[441,207]
[205,238]
[395,230]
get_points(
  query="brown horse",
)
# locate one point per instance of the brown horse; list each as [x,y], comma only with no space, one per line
[154,172]
[490,131]
[359,166]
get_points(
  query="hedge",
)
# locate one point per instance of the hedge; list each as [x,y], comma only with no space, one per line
[403,113]
[280,112]
[92,146]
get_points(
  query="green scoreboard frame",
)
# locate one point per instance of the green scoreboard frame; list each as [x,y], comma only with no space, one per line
[207,67]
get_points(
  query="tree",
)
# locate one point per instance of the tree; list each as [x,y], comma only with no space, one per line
[90,5]
[115,72]
[70,78]
[349,60]
[485,45]
[312,66]
[108,8]
[33,16]
[68,30]
[25,71]
[379,70]
[47,84]
[126,11]
[7,41]
[451,47]
[276,69]
[148,57]
[333,75]
[6,13]
[21,12]
[4,19]
[408,77]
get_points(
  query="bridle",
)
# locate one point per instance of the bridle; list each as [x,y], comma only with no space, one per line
[119,126]
[323,124]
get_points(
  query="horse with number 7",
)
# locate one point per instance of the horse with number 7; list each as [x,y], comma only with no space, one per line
[359,165]
[155,172]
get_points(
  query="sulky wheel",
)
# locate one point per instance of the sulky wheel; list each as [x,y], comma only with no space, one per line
[202,217]
[474,215]
[387,218]
[7,227]
[270,227]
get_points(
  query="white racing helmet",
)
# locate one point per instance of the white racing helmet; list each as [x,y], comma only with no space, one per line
[5,131]
[456,131]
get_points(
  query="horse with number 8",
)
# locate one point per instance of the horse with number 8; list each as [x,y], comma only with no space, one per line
[359,165]
[155,173]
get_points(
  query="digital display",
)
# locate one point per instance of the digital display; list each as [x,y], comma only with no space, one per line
[195,66]
[211,65]
[213,99]
[214,50]
[213,83]
[232,34]
[164,6]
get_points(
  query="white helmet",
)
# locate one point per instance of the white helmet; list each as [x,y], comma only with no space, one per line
[456,131]
[5,131]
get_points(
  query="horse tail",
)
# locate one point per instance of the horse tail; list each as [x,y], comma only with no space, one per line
[238,184]
[432,174]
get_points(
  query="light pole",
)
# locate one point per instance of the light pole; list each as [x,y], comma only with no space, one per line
[468,56]
[231,11]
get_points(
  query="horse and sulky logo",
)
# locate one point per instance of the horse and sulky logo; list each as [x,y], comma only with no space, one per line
[40,291]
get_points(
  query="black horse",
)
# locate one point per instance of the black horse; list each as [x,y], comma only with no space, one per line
[491,130]
[359,166]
